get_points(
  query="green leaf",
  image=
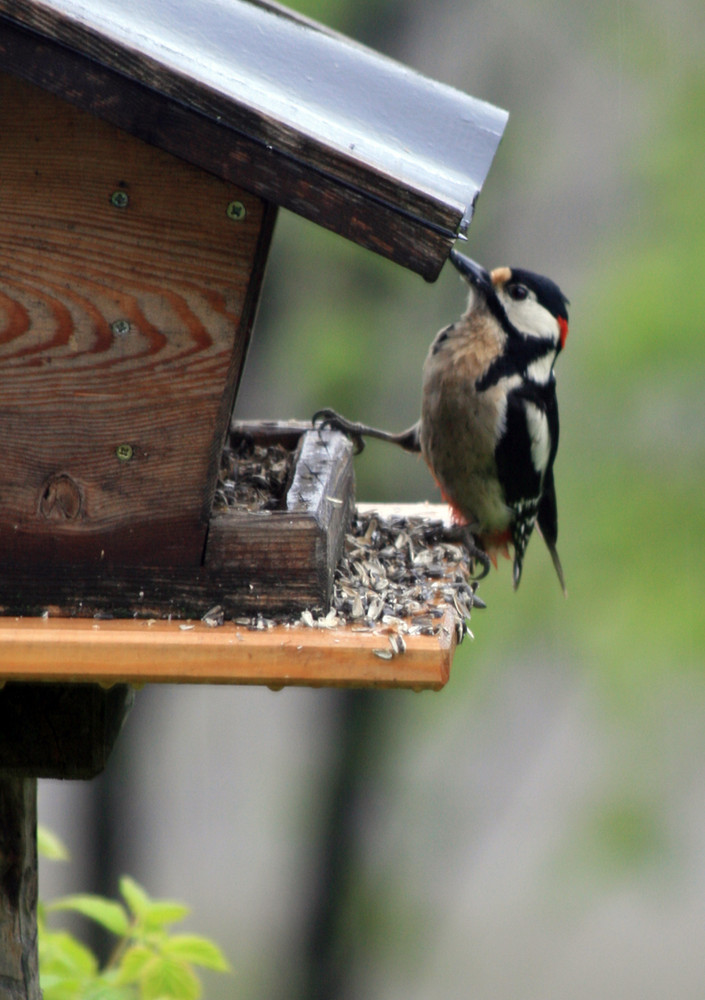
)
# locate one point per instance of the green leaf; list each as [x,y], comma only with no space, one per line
[135,896]
[105,912]
[61,987]
[50,846]
[197,950]
[153,914]
[134,963]
[164,911]
[61,954]
[169,978]
[102,990]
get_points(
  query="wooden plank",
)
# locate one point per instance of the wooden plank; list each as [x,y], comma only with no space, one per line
[123,327]
[138,652]
[404,194]
[179,591]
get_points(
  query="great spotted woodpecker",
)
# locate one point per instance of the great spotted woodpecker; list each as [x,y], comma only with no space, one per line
[489,416]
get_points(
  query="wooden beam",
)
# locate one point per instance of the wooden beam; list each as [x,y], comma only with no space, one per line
[59,730]
[150,651]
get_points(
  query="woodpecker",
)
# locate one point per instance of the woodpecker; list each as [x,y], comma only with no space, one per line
[489,415]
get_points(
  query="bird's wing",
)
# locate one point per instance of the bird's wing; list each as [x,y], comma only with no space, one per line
[524,457]
[525,437]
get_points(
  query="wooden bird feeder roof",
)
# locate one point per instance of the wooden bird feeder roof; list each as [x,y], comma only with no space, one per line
[258,95]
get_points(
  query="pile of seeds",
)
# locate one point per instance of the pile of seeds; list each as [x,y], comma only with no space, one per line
[397,576]
[400,576]
[253,476]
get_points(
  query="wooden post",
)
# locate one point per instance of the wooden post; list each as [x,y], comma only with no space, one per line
[19,967]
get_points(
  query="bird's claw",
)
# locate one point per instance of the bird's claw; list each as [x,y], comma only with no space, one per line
[481,557]
[327,419]
[475,553]
[463,533]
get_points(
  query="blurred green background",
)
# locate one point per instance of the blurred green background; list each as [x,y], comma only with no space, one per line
[537,829]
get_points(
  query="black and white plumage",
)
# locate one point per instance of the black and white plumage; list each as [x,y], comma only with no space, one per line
[489,415]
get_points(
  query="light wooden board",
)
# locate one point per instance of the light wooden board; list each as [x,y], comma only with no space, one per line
[429,511]
[147,651]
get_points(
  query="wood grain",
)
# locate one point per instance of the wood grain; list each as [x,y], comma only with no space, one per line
[122,337]
[170,652]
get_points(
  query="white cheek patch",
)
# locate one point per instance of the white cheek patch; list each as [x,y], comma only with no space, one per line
[539,371]
[530,318]
[538,433]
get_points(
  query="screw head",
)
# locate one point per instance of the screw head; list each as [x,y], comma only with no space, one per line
[124,452]
[119,199]
[236,211]
[120,328]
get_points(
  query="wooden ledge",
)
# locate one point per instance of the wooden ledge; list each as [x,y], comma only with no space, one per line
[147,651]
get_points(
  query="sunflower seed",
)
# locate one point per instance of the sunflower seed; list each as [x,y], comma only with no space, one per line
[214,616]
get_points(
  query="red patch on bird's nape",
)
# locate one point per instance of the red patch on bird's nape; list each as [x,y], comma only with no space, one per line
[563,328]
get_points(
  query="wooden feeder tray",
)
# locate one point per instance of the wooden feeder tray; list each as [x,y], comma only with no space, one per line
[151,651]
[67,684]
[315,648]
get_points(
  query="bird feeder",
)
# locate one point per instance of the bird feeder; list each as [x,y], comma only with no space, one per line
[143,162]
[143,159]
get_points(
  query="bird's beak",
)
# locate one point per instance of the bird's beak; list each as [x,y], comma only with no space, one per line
[474,273]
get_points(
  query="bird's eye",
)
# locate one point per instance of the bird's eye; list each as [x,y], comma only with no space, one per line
[517,292]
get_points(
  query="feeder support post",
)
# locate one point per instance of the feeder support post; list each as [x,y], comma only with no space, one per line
[19,966]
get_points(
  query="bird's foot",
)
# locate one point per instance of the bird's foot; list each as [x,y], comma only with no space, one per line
[463,534]
[477,555]
[330,420]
